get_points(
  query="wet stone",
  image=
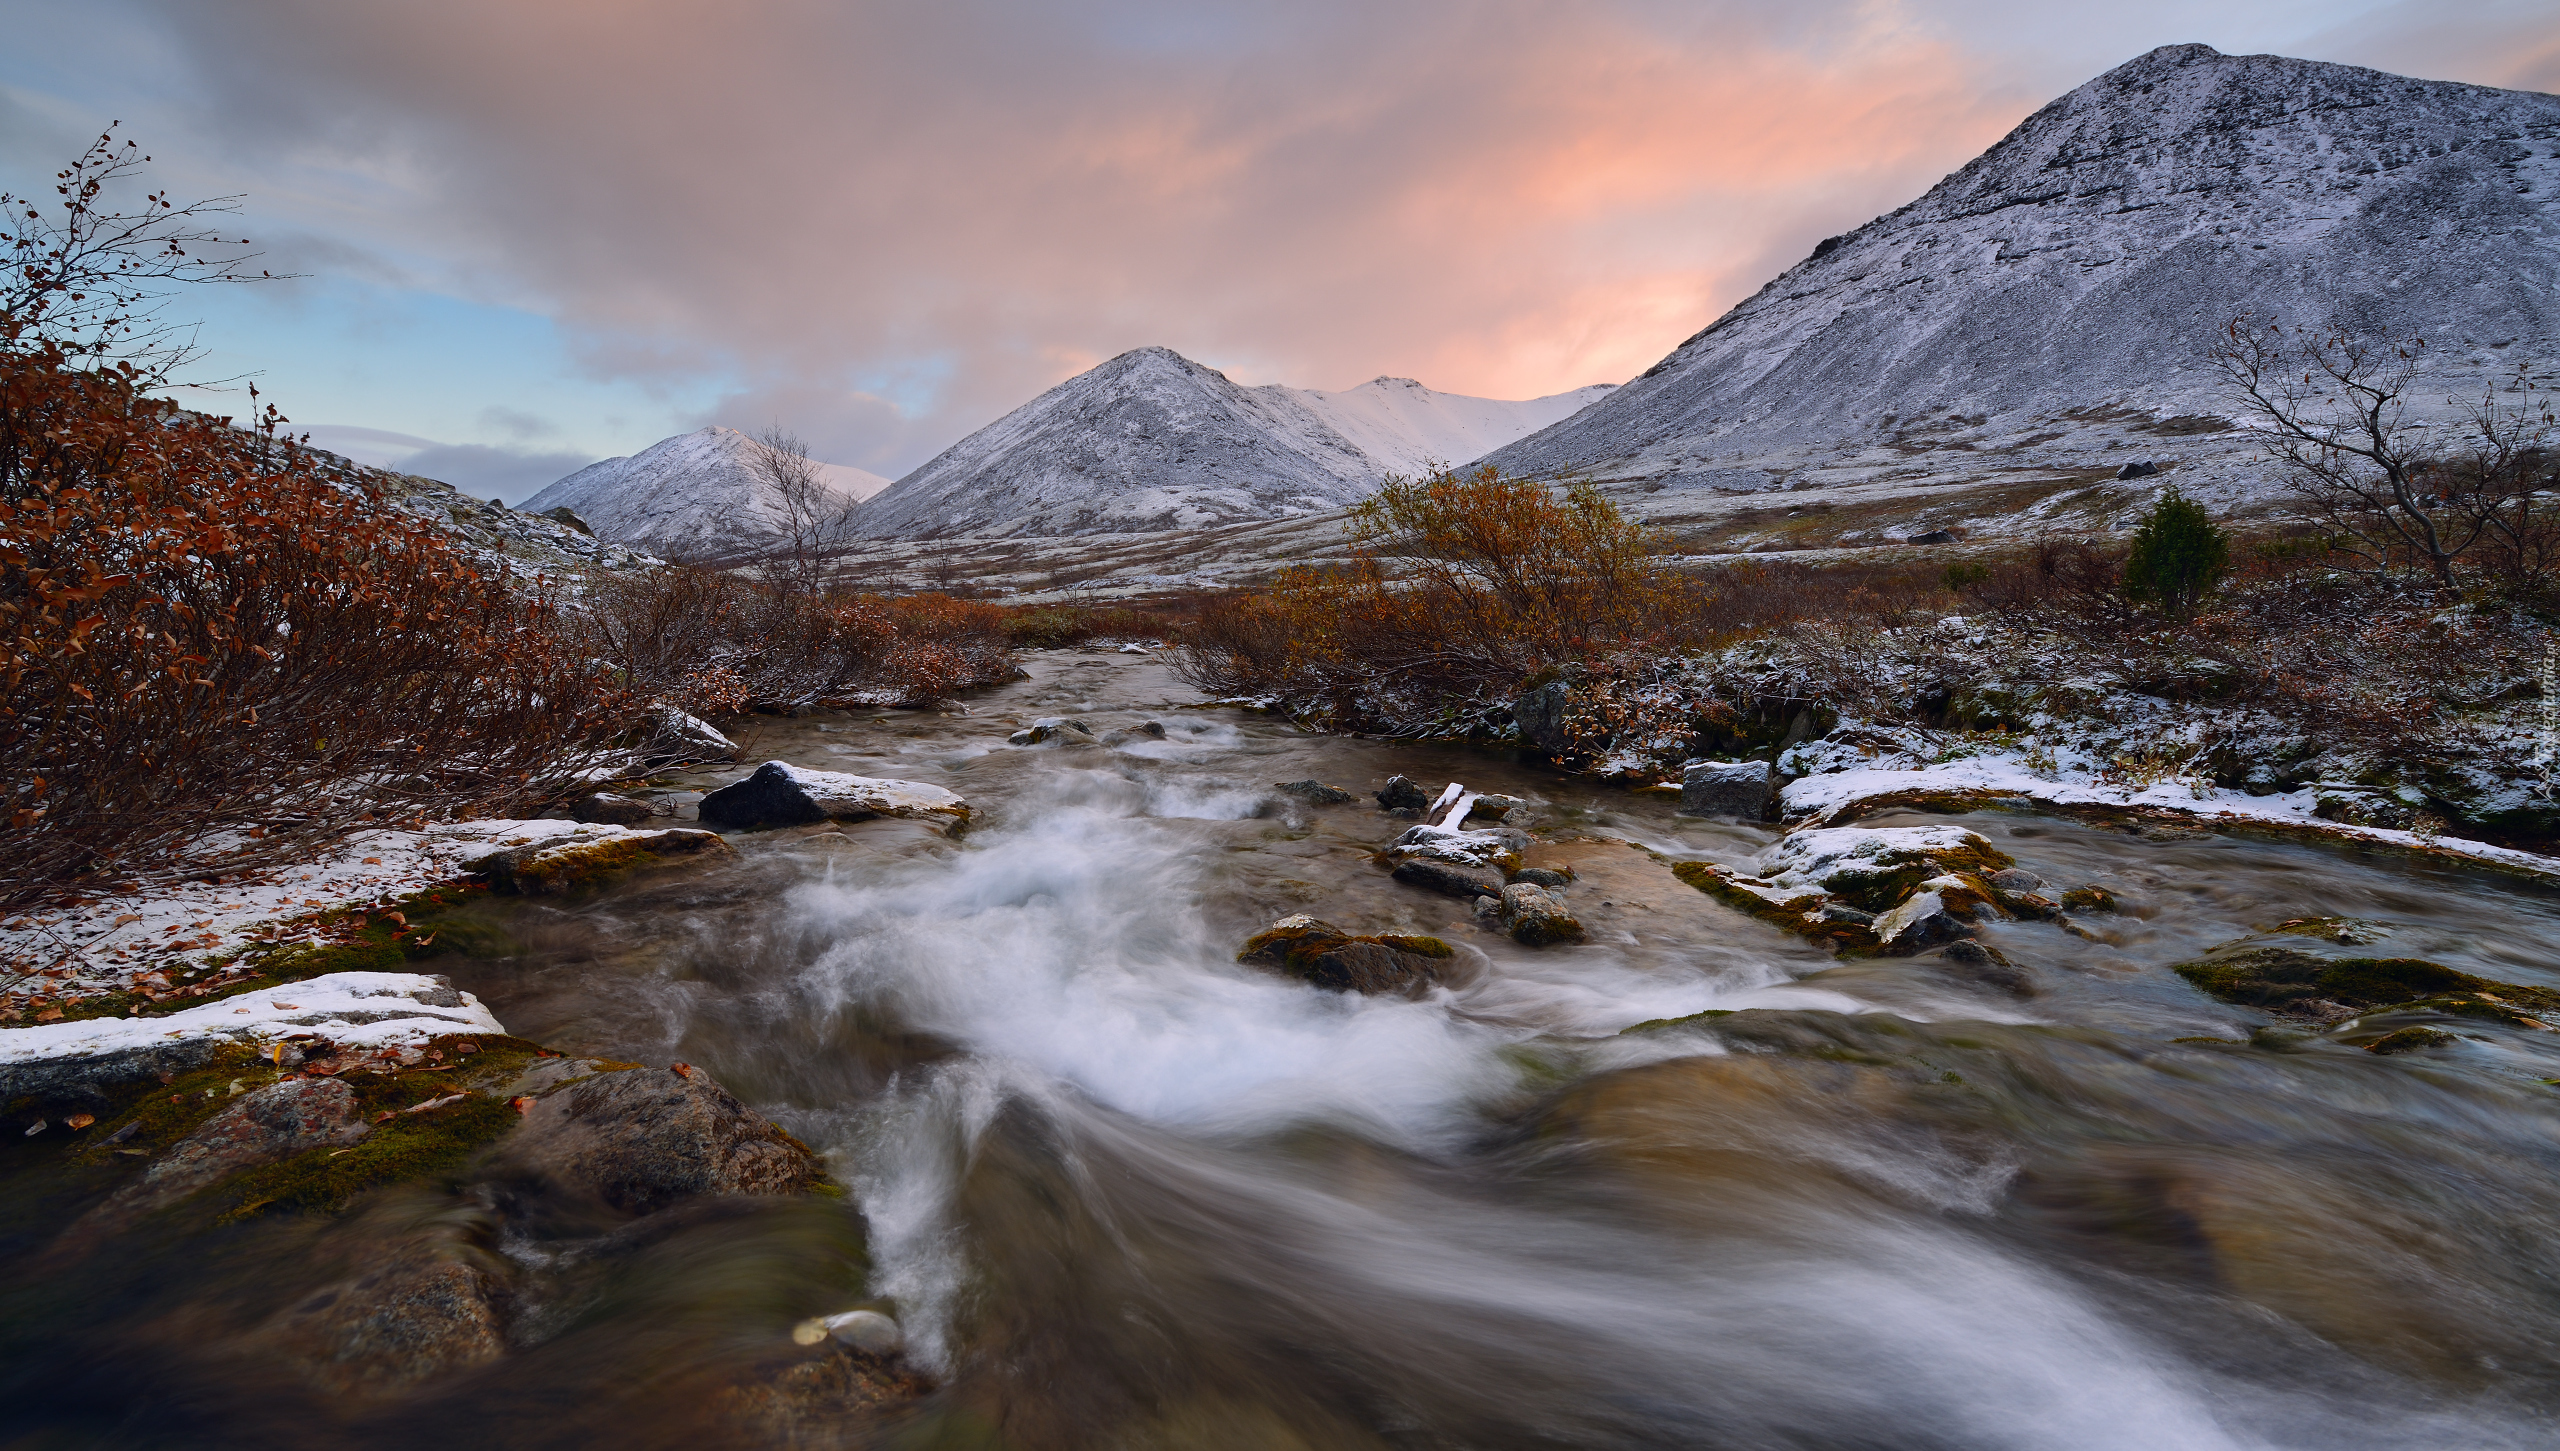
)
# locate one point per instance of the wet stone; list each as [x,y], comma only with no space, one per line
[1316,792]
[1402,793]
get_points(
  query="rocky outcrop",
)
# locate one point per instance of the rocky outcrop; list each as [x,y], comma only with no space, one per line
[782,794]
[1450,879]
[644,1138]
[1328,957]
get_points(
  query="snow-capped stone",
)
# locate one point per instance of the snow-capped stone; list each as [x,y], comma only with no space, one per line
[782,794]
[1874,867]
[691,496]
[76,1060]
[2087,261]
[679,738]
[1153,440]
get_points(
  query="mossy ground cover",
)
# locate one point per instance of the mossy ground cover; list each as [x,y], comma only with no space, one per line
[354,939]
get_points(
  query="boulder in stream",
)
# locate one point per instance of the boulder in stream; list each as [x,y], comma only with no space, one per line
[568,864]
[1534,918]
[1450,879]
[675,738]
[609,809]
[267,1124]
[1402,793]
[1316,792]
[1328,957]
[643,1138]
[1727,788]
[782,794]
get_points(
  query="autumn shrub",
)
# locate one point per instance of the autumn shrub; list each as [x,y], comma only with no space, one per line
[716,643]
[1460,589]
[213,655]
[1050,627]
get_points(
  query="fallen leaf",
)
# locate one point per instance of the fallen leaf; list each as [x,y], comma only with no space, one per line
[128,919]
[373,861]
[681,1070]
[79,1121]
[521,1103]
[466,1046]
[294,1007]
[382,1117]
[35,1128]
[50,1015]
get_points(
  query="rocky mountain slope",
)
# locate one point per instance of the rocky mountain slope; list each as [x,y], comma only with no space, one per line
[690,496]
[2054,299]
[1152,440]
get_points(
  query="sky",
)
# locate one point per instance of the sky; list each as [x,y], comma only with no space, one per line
[532,233]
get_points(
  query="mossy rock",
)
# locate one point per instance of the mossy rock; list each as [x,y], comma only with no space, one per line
[2089,899]
[1792,912]
[2299,985]
[1325,955]
[2409,1040]
[430,1144]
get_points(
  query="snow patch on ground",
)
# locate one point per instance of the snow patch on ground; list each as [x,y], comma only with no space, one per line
[182,927]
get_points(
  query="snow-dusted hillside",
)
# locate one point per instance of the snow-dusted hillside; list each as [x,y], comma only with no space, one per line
[690,496]
[2081,267]
[1152,440]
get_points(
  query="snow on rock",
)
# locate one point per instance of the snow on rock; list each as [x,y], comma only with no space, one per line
[102,941]
[1152,440]
[2075,274]
[355,1009]
[1828,797]
[782,794]
[1864,862]
[691,496]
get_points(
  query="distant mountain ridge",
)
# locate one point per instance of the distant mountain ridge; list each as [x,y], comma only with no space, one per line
[2085,262]
[690,495]
[1152,440]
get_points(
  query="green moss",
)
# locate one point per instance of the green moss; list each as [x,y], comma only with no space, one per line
[410,1147]
[2409,1040]
[2090,899]
[1845,937]
[2285,981]
[1693,1020]
[1420,946]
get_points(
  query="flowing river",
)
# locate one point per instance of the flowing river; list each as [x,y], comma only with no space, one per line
[1125,1192]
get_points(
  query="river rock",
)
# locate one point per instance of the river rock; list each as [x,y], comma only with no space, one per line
[1875,868]
[1402,793]
[1448,878]
[1056,729]
[675,738]
[1726,788]
[1540,714]
[1317,792]
[421,1309]
[782,794]
[1535,918]
[1320,953]
[567,864]
[267,1124]
[1921,921]
[643,1138]
[607,809]
[1542,877]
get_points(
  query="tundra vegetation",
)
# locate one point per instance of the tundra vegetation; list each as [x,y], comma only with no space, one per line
[222,652]
[2380,647]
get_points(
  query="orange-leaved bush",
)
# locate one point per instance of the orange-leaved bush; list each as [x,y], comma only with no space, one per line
[211,655]
[1460,588]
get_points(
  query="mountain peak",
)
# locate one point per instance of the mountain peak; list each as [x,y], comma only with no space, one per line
[2088,258]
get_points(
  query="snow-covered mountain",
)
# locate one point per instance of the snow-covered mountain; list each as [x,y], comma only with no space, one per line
[1152,440]
[2077,271]
[690,496]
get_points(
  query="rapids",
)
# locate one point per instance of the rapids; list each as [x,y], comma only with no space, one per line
[1124,1192]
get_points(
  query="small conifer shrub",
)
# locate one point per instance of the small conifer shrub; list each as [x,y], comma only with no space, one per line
[2179,555]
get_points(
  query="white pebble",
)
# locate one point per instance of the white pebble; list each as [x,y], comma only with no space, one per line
[867,1330]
